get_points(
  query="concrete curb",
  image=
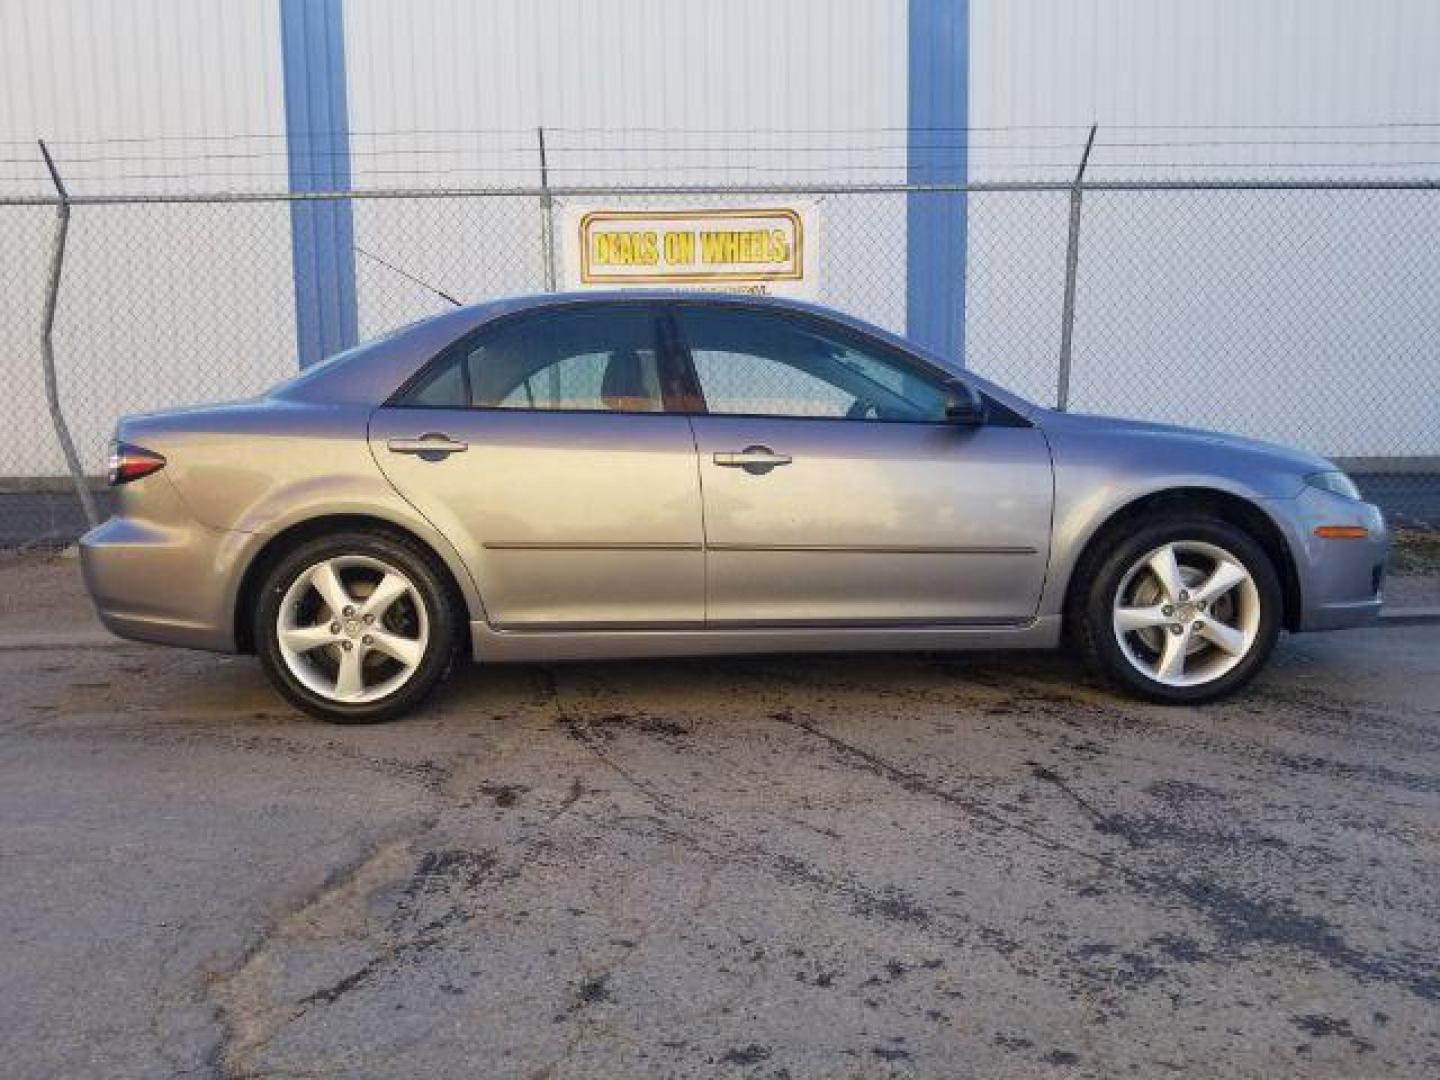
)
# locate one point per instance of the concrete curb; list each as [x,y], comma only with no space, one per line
[1410,616]
[71,639]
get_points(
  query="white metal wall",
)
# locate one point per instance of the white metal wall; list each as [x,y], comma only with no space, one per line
[1222,65]
[629,92]
[141,96]
[185,88]
[630,75]
[1251,313]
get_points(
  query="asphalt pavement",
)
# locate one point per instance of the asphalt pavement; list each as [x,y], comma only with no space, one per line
[821,867]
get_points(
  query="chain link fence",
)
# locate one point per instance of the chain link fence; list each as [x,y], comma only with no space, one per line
[1303,313]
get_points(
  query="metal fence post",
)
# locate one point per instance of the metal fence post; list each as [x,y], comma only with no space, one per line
[547,224]
[1072,266]
[47,343]
[547,241]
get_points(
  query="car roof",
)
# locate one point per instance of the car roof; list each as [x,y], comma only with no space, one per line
[503,305]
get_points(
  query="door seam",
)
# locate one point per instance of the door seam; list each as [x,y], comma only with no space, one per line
[704,526]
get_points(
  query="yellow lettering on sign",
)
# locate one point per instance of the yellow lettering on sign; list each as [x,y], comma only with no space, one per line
[745,246]
[625,249]
[779,246]
[680,247]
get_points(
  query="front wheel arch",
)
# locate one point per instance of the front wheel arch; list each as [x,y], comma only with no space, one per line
[1238,511]
[286,540]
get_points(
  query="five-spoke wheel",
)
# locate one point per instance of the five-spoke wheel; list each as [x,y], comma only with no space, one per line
[355,627]
[1183,610]
[352,628]
[1186,613]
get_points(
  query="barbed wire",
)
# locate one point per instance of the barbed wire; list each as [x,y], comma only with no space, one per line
[608,130]
[454,159]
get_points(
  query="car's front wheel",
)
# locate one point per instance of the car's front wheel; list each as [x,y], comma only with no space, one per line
[355,628]
[1184,610]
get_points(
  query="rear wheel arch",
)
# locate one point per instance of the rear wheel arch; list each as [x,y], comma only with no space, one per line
[1210,502]
[289,538]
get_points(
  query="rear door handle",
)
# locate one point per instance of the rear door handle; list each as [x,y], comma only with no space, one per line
[753,459]
[432,442]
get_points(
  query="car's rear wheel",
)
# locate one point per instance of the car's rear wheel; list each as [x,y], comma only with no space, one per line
[1184,610]
[355,628]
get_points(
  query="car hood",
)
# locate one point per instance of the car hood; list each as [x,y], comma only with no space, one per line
[1302,462]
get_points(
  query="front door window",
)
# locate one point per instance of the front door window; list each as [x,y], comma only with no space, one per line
[757,364]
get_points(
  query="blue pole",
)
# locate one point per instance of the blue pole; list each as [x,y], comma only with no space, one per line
[312,38]
[937,147]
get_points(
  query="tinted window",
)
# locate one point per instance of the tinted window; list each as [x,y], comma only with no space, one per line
[444,388]
[758,363]
[600,359]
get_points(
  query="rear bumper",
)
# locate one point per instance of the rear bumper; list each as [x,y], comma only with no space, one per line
[164,583]
[1341,581]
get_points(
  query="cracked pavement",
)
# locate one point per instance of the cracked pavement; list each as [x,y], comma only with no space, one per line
[781,867]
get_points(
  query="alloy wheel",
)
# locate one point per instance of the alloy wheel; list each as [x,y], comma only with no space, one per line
[1186,613]
[352,629]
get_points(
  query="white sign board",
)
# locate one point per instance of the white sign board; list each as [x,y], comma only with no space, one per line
[770,250]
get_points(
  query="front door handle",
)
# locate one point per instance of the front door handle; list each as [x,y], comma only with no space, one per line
[432,442]
[756,460]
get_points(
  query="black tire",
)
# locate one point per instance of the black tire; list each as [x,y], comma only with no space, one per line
[442,611]
[1099,578]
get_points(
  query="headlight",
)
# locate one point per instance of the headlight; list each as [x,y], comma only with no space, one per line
[1336,482]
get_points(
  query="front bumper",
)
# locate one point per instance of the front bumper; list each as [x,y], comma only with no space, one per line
[1341,581]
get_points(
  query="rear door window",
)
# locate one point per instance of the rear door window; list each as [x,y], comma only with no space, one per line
[581,359]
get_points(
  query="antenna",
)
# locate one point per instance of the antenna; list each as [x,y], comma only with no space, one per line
[408,276]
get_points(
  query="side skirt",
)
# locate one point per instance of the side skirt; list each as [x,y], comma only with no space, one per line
[508,646]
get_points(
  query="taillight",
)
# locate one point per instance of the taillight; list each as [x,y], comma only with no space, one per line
[127,462]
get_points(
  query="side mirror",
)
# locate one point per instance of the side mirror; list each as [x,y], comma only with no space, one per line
[963,406]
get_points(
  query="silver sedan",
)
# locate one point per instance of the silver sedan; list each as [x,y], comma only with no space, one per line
[638,474]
